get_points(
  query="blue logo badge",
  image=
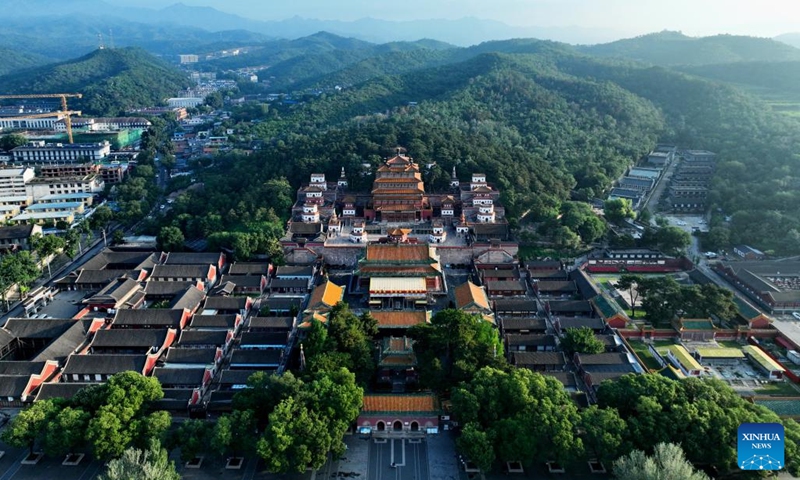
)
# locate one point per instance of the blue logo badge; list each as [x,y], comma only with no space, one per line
[760,446]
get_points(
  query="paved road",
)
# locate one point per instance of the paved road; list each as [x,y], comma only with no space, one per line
[410,460]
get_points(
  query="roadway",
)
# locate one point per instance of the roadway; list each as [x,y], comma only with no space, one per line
[398,459]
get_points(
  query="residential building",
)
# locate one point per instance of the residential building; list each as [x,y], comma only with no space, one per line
[18,236]
[41,152]
[14,180]
[775,286]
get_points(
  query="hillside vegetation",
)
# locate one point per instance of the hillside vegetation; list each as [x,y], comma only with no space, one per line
[111,81]
[673,48]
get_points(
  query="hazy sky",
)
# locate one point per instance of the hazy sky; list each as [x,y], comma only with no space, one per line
[693,17]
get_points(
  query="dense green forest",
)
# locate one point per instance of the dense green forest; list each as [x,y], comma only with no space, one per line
[111,81]
[14,61]
[674,48]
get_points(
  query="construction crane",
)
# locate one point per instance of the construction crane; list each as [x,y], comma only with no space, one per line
[64,110]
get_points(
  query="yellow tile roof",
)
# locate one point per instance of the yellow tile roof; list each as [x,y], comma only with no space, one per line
[400,403]
[720,352]
[468,293]
[684,357]
[328,294]
[762,359]
[397,285]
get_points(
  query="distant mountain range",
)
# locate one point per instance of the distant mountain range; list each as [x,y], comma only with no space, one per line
[465,31]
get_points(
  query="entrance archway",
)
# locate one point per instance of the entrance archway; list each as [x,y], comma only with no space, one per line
[398,426]
[414,426]
[381,426]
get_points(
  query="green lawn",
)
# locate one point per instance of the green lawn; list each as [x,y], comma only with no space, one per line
[644,355]
[779,389]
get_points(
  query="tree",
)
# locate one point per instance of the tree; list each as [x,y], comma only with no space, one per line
[630,283]
[118,422]
[524,416]
[65,431]
[264,392]
[134,464]
[603,432]
[214,100]
[476,445]
[193,437]
[661,298]
[12,141]
[235,433]
[30,425]
[667,463]
[72,240]
[18,268]
[118,237]
[673,240]
[645,216]
[46,246]
[581,340]
[295,439]
[453,347]
[617,210]
[168,161]
[101,216]
[170,239]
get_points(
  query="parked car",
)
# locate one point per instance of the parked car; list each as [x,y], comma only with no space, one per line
[796,315]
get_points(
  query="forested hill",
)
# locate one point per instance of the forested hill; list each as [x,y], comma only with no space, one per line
[14,61]
[673,48]
[111,81]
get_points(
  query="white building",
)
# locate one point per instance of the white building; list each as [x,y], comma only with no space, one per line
[13,181]
[23,123]
[105,124]
[41,152]
[39,188]
[188,58]
[185,102]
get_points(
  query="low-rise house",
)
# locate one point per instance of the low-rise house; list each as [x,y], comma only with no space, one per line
[472,299]
[205,339]
[389,320]
[399,413]
[235,379]
[250,268]
[282,306]
[519,307]
[207,274]
[539,361]
[40,340]
[764,362]
[748,253]
[156,318]
[99,368]
[132,342]
[569,308]
[18,381]
[509,288]
[218,260]
[188,299]
[719,356]
[636,183]
[325,296]
[514,325]
[269,359]
[696,329]
[155,291]
[264,340]
[246,284]
[684,361]
[123,292]
[288,285]
[609,311]
[561,324]
[17,237]
[530,343]
[227,306]
[207,358]
[302,272]
[270,324]
[555,289]
[90,279]
[587,288]
[183,378]
[216,322]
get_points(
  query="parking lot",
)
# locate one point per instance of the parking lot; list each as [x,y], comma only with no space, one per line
[689,223]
